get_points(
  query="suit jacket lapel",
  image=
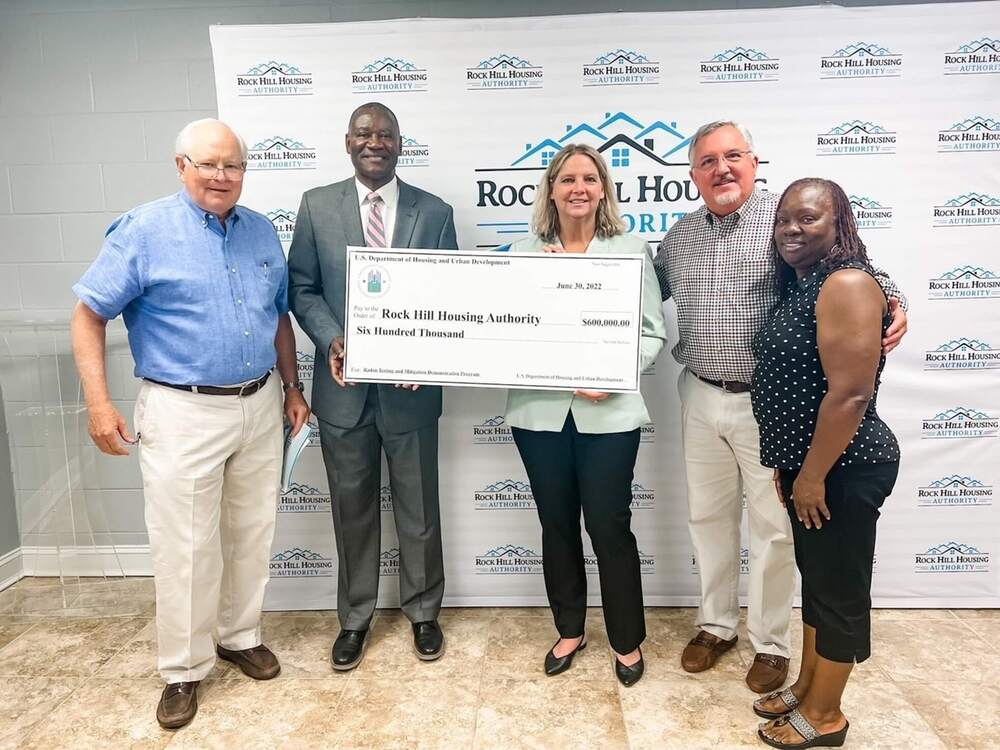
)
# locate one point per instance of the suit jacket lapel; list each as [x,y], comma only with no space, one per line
[350,214]
[406,216]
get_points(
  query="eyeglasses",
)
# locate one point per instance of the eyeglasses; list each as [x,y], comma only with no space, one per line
[209,171]
[709,163]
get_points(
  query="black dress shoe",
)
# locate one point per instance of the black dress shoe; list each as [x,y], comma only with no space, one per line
[349,649]
[428,640]
[628,676]
[178,705]
[558,664]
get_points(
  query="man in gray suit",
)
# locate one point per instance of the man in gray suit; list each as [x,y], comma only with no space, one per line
[358,421]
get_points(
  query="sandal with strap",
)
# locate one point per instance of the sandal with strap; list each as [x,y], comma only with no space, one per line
[786,695]
[810,737]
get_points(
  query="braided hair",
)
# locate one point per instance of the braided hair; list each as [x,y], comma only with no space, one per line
[848,247]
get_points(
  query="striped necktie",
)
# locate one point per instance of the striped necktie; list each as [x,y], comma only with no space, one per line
[375,233]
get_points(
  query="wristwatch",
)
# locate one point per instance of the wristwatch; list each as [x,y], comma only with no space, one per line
[297,384]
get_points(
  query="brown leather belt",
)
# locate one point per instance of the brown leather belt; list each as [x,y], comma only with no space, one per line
[729,386]
[247,389]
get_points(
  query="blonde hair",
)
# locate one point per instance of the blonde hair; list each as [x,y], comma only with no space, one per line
[545,220]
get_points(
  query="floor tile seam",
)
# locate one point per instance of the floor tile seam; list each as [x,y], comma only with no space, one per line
[84,681]
[995,648]
[945,741]
[19,635]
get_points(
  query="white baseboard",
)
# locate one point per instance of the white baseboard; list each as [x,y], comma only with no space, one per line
[100,560]
[10,568]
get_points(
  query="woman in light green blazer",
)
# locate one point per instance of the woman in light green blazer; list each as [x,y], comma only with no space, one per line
[579,448]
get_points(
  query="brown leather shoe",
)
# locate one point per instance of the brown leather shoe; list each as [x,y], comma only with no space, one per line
[768,672]
[257,662]
[704,650]
[178,704]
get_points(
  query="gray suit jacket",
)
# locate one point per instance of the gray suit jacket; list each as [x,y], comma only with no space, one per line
[329,220]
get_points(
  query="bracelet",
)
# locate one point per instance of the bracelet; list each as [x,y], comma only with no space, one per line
[297,384]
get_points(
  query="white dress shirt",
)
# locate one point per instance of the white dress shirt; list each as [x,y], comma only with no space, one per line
[390,198]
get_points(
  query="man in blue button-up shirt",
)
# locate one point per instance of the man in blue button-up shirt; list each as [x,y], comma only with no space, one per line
[202,286]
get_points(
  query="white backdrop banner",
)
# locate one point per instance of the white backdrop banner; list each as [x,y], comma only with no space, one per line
[900,105]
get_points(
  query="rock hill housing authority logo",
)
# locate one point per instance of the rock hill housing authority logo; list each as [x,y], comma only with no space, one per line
[974,58]
[507,494]
[861,60]
[964,282]
[976,133]
[870,214]
[385,499]
[388,562]
[508,559]
[649,166]
[962,354]
[300,563]
[304,498]
[647,563]
[388,75]
[952,557]
[414,153]
[281,153]
[856,138]
[504,72]
[744,562]
[968,209]
[621,67]
[739,65]
[283,221]
[961,422]
[954,490]
[306,364]
[273,78]
[492,431]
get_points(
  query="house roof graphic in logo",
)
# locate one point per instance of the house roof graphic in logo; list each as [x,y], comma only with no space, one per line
[388,63]
[303,490]
[959,414]
[953,547]
[305,358]
[296,554]
[510,550]
[492,422]
[507,485]
[272,66]
[968,272]
[739,53]
[860,201]
[656,141]
[970,199]
[976,123]
[281,215]
[277,142]
[389,556]
[954,480]
[620,56]
[963,345]
[407,141]
[979,45]
[862,49]
[504,61]
[856,126]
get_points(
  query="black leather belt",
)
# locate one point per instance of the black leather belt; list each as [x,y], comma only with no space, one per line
[247,389]
[729,386]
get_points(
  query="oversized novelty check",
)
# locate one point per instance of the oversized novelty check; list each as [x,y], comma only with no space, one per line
[494,320]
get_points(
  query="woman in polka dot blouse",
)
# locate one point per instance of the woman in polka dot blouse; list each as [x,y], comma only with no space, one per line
[814,388]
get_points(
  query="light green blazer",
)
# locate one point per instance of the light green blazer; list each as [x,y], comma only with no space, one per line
[620,412]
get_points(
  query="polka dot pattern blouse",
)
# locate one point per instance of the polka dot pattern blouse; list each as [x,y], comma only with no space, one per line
[789,384]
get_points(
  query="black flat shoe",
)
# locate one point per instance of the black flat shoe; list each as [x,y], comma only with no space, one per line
[349,649]
[558,664]
[428,640]
[628,676]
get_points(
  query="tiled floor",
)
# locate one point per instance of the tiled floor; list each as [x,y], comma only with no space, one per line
[77,670]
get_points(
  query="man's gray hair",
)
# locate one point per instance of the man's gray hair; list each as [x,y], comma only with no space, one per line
[711,127]
[185,138]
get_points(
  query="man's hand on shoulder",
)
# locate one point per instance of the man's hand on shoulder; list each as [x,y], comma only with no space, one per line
[108,429]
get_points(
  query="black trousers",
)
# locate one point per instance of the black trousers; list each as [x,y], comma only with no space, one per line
[835,561]
[570,470]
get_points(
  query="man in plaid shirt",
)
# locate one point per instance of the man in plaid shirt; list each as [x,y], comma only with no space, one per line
[717,265]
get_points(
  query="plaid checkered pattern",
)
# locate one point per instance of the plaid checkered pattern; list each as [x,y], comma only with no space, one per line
[720,273]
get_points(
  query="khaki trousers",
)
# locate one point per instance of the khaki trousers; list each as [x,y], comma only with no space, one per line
[722,460]
[211,469]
